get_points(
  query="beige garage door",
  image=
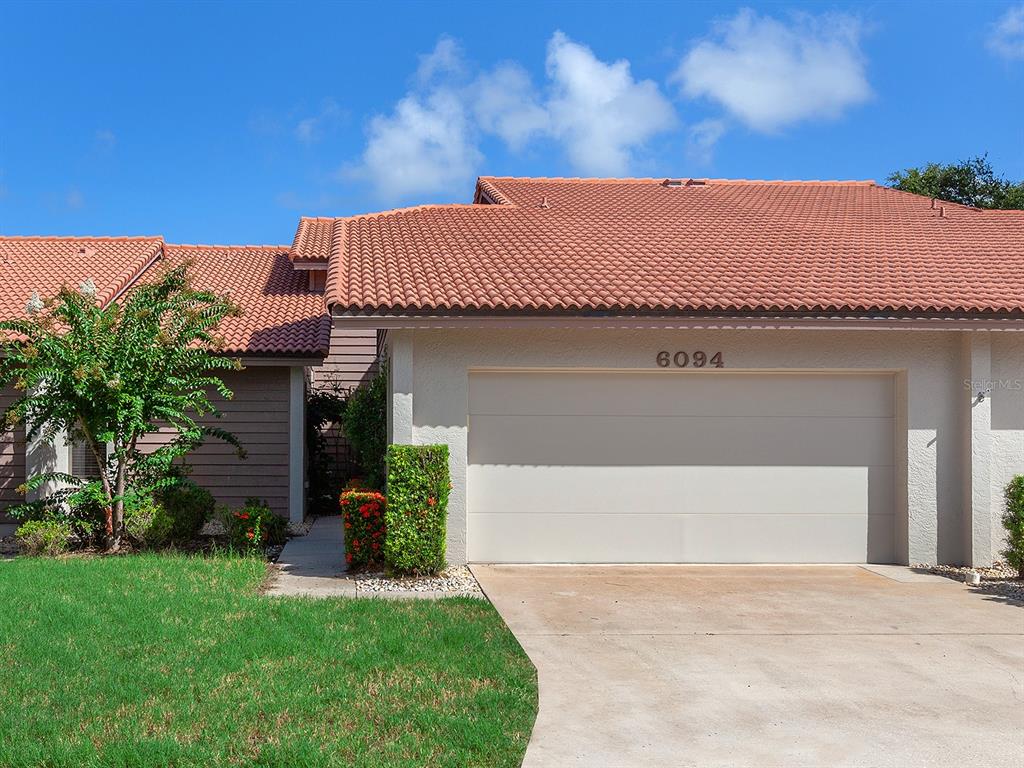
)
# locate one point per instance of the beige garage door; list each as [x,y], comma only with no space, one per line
[664,467]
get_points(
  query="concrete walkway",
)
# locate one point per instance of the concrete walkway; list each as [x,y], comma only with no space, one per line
[767,667]
[313,565]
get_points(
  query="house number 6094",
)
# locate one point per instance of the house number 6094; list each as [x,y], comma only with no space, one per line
[682,359]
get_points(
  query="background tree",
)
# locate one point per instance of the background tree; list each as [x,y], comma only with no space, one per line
[107,376]
[969,182]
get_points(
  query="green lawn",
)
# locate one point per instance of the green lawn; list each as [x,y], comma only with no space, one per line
[166,660]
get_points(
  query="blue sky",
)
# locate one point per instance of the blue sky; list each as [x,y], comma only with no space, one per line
[223,123]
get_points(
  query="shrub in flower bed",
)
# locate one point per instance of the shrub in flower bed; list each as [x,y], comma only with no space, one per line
[1013,522]
[147,522]
[44,537]
[417,513]
[255,526]
[363,516]
[189,507]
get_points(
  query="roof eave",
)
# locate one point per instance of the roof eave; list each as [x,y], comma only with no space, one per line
[950,321]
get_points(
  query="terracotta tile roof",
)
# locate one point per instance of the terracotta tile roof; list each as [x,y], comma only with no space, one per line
[280,315]
[43,264]
[314,238]
[705,246]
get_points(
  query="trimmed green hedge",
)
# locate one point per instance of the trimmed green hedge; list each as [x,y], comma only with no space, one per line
[1013,522]
[417,509]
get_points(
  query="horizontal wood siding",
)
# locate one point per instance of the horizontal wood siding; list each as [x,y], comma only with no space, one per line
[12,459]
[258,416]
[351,361]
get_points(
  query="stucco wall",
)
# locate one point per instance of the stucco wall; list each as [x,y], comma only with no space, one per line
[258,416]
[430,368]
[1007,420]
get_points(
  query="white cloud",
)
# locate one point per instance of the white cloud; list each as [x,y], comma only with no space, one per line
[701,139]
[1006,37]
[106,140]
[598,111]
[445,59]
[506,104]
[430,142]
[426,145]
[769,74]
[310,130]
[74,199]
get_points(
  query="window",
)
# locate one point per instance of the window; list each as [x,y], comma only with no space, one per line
[83,461]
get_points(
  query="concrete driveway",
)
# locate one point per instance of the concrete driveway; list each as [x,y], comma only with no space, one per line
[765,666]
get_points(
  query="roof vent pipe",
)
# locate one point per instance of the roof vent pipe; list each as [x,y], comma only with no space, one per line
[933,203]
[942,211]
[544,202]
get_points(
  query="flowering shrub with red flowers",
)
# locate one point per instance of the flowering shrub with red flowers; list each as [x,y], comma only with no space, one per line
[362,513]
[255,526]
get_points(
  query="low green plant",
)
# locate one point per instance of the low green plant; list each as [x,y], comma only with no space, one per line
[44,537]
[1013,522]
[188,505]
[363,517]
[417,509]
[366,427]
[148,523]
[255,526]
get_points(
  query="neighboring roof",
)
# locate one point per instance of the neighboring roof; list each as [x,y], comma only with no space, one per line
[314,239]
[280,315]
[43,264]
[694,246]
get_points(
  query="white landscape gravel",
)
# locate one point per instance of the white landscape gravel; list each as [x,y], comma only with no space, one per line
[1000,579]
[455,580]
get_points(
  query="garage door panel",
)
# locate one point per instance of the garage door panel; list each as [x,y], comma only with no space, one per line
[710,538]
[680,490]
[677,393]
[680,467]
[602,440]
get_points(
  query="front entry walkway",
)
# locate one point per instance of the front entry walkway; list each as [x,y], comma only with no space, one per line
[764,666]
[313,565]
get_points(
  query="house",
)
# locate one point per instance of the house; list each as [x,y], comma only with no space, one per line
[698,370]
[281,336]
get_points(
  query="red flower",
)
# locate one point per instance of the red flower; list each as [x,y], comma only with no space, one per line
[243,515]
[344,502]
[376,546]
[431,501]
[348,558]
[250,534]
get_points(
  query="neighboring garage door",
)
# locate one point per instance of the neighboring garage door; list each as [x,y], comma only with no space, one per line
[593,467]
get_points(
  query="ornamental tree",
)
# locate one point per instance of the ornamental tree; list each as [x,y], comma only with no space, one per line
[108,375]
[969,182]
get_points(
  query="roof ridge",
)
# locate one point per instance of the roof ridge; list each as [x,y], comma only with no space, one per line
[424,207]
[962,206]
[101,238]
[198,246]
[659,179]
